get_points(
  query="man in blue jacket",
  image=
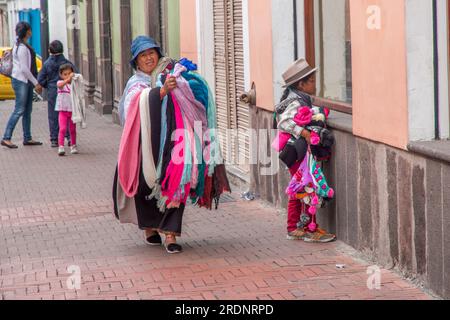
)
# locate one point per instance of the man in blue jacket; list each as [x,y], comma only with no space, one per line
[47,78]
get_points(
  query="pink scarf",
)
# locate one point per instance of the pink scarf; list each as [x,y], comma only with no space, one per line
[129,151]
[175,169]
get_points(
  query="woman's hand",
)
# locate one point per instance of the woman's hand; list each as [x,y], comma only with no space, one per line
[38,88]
[169,86]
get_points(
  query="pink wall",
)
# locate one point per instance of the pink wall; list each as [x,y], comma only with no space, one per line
[260,44]
[188,30]
[379,73]
[261,58]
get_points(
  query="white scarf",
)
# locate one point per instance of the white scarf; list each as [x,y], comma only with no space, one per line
[148,163]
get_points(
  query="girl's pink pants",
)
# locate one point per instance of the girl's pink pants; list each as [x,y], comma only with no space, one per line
[65,118]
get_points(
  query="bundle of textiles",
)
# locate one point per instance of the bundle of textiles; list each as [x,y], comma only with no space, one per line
[314,120]
[310,186]
[188,156]
[175,143]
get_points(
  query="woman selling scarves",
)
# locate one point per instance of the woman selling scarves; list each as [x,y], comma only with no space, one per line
[169,152]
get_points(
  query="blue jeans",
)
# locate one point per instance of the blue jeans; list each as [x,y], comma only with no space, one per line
[23,109]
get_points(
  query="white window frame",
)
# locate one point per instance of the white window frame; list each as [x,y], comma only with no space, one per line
[443,43]
[420,70]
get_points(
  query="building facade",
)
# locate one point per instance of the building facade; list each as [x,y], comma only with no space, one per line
[100,42]
[57,25]
[383,69]
[30,11]
[4,27]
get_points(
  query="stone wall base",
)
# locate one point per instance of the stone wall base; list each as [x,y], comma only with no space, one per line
[390,204]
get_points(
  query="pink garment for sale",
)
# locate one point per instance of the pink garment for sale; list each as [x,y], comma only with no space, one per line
[130,151]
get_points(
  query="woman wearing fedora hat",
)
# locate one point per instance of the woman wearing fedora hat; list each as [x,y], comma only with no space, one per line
[300,84]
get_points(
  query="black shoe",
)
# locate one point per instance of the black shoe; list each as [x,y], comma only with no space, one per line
[32,143]
[154,240]
[9,146]
[55,144]
[174,248]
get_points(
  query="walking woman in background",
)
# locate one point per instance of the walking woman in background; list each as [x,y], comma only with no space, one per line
[23,81]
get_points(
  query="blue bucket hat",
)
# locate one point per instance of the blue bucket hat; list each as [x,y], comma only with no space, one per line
[139,45]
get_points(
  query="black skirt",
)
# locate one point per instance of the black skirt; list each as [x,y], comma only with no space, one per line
[147,212]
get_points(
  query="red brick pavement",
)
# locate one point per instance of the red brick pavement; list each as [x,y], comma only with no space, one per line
[56,212]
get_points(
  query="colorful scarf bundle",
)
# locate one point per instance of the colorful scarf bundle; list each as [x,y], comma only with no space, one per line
[195,124]
[191,153]
[310,186]
[189,163]
[173,190]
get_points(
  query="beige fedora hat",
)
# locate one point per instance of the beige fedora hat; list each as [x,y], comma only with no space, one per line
[297,71]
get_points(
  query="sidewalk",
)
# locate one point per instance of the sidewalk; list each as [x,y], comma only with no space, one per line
[57,212]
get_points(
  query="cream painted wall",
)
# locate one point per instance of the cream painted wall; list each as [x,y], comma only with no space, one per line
[301,47]
[138,17]
[115,32]
[83,29]
[57,23]
[205,36]
[419,46]
[173,28]
[380,104]
[260,47]
[188,30]
[283,41]
[444,105]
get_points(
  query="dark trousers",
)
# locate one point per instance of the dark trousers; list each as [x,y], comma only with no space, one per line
[53,123]
[53,116]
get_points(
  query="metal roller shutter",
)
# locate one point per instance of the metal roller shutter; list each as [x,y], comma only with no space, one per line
[229,72]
